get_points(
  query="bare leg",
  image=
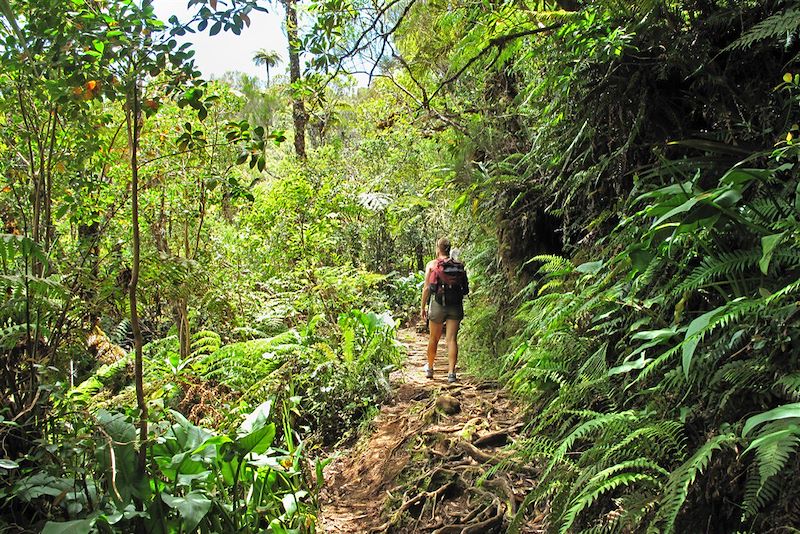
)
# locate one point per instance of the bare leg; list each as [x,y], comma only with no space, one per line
[452,343]
[433,342]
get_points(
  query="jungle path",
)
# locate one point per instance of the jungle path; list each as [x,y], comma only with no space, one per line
[435,459]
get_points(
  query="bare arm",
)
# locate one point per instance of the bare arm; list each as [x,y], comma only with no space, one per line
[425,294]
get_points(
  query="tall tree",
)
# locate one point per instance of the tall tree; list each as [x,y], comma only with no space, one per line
[267,58]
[298,107]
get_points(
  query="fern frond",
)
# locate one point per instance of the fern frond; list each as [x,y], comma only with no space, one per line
[714,267]
[778,25]
[592,493]
[680,480]
[585,429]
[790,384]
[773,449]
[553,265]
[205,342]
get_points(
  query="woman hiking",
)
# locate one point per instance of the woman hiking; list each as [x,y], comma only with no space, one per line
[445,286]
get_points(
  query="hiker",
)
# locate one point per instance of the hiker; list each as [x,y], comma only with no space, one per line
[444,289]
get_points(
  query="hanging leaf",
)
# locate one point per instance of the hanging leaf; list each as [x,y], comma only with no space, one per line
[693,336]
[626,367]
[781,412]
[768,244]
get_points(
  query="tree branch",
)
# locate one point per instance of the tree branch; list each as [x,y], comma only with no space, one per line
[496,42]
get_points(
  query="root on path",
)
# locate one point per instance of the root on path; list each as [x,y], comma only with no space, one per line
[422,470]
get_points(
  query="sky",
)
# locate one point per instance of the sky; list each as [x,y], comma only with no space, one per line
[225,51]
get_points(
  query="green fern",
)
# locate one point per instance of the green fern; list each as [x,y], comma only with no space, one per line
[608,480]
[205,342]
[774,446]
[681,479]
[790,384]
[714,267]
[779,25]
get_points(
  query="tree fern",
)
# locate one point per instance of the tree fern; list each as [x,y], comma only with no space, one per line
[778,25]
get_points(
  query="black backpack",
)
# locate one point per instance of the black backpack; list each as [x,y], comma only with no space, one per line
[448,282]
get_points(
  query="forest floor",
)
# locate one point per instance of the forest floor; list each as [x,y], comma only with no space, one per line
[436,459]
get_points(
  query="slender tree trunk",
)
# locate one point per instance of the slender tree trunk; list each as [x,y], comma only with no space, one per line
[133,117]
[298,109]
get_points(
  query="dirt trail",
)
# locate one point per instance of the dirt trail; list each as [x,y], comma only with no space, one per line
[422,470]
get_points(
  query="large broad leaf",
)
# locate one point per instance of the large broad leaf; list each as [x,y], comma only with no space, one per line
[188,437]
[668,191]
[81,526]
[122,467]
[257,419]
[257,441]
[781,412]
[192,508]
[291,502]
[693,336]
[661,334]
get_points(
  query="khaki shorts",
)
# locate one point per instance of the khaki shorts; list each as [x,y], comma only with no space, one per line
[439,314]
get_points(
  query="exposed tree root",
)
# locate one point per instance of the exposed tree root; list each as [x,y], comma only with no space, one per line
[437,473]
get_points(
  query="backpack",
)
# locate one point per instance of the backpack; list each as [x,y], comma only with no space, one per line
[448,281]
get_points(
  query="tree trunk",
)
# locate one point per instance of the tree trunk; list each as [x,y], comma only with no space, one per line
[298,109]
[133,118]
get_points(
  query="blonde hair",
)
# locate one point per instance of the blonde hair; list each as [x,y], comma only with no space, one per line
[443,245]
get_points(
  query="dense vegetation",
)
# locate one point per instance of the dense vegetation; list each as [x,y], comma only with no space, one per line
[203,279]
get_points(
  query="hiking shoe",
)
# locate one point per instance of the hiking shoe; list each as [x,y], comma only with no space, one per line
[451,377]
[428,371]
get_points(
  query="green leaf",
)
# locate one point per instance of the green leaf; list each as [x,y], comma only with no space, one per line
[592,267]
[768,244]
[797,197]
[773,437]
[5,463]
[661,334]
[290,502]
[693,336]
[683,208]
[192,508]
[277,527]
[257,441]
[257,419]
[626,367]
[80,526]
[786,411]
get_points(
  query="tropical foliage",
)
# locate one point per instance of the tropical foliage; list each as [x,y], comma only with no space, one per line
[203,280]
